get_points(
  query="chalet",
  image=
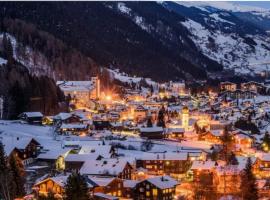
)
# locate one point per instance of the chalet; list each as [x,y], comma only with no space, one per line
[156,188]
[228,86]
[140,113]
[129,188]
[81,92]
[175,133]
[238,94]
[53,185]
[66,118]
[242,139]
[110,186]
[261,166]
[203,172]
[170,163]
[25,148]
[152,132]
[107,167]
[32,117]
[252,86]
[56,186]
[227,176]
[213,136]
[101,125]
[88,153]
[74,129]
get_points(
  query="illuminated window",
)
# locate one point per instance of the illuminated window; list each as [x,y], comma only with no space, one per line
[119,193]
[155,192]
[147,193]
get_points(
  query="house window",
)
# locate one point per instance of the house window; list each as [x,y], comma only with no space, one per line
[155,192]
[119,193]
[147,186]
[141,189]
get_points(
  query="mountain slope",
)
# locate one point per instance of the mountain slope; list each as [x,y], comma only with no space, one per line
[238,44]
[162,41]
[164,52]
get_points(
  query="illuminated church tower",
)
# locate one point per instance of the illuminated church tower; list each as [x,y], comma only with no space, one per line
[185,118]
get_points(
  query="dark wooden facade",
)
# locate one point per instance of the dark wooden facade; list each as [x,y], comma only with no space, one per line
[164,166]
[148,191]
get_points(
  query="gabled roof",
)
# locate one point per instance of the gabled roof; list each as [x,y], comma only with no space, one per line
[32,114]
[111,167]
[10,143]
[203,165]
[163,182]
[151,129]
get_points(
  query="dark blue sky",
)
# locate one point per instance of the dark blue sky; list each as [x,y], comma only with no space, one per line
[263,4]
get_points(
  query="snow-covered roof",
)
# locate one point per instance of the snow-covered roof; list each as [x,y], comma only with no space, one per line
[33,114]
[105,196]
[103,167]
[130,183]
[164,156]
[163,182]
[203,165]
[62,116]
[151,129]
[54,153]
[101,181]
[10,143]
[73,126]
[75,85]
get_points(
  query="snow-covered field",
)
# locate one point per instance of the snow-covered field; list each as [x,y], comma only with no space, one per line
[44,135]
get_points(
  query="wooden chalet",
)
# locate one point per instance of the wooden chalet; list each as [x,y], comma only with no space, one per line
[152,132]
[156,188]
[32,117]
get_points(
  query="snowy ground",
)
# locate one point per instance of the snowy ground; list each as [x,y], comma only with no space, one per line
[44,135]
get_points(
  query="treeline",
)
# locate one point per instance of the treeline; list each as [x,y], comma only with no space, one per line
[22,92]
[66,62]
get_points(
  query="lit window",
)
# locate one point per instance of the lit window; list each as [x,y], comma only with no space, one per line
[155,192]
[147,193]
[119,193]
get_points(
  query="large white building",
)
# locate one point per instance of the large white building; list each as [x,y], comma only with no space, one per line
[81,91]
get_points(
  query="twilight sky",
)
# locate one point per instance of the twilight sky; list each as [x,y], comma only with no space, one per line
[263,4]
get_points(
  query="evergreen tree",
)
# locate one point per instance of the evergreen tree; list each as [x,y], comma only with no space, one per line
[149,122]
[249,190]
[233,160]
[226,141]
[18,173]
[161,120]
[5,176]
[76,187]
[266,142]
[7,48]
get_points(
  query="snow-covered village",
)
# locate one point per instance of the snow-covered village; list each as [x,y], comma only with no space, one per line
[174,106]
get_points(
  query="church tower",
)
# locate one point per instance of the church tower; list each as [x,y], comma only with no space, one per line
[185,118]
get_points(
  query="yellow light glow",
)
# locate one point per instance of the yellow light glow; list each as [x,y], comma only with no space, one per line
[108,98]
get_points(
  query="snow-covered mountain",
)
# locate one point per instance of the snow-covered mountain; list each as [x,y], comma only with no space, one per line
[160,40]
[225,32]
